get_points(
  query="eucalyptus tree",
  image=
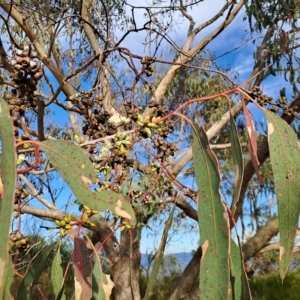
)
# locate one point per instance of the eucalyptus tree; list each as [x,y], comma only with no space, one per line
[134,110]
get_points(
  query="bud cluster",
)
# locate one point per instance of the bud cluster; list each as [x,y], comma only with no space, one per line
[16,239]
[281,103]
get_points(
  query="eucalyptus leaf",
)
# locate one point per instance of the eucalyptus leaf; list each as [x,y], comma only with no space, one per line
[213,221]
[285,157]
[7,187]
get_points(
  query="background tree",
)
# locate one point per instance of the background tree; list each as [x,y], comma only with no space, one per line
[76,58]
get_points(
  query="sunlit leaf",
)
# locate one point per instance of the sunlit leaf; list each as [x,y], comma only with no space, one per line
[213,221]
[57,277]
[7,189]
[285,157]
[78,172]
[8,281]
[158,257]
[101,283]
[70,156]
[238,278]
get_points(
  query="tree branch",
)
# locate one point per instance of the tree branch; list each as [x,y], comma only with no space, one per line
[276,247]
[260,239]
[214,18]
[189,55]
[224,146]
[86,6]
[101,232]
[40,117]
[34,193]
[14,13]
[188,16]
[6,65]
[186,281]
[216,128]
[181,203]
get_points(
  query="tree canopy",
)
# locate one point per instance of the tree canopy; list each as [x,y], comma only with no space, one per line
[135,111]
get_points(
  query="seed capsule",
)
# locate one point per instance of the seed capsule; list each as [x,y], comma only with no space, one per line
[19,235]
[23,241]
[63,223]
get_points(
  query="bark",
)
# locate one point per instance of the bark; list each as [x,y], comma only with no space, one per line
[189,276]
[260,239]
[3,58]
[194,294]
[86,8]
[124,260]
[276,247]
[126,267]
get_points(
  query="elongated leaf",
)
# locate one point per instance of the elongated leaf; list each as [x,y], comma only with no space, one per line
[57,277]
[238,278]
[34,272]
[101,283]
[71,157]
[213,221]
[7,190]
[238,164]
[158,257]
[252,141]
[8,281]
[82,270]
[235,272]
[78,172]
[285,158]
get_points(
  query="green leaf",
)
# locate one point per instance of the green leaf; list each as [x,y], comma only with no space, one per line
[235,272]
[238,278]
[158,258]
[7,189]
[78,172]
[272,72]
[34,271]
[82,270]
[8,281]
[124,189]
[57,277]
[213,221]
[101,283]
[285,158]
[238,164]
[70,157]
